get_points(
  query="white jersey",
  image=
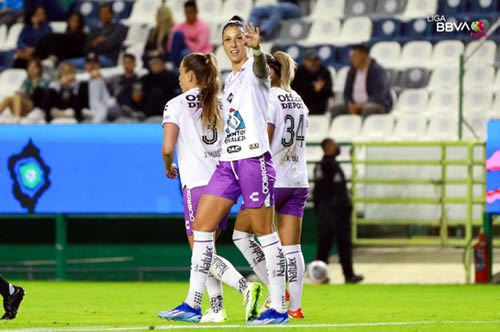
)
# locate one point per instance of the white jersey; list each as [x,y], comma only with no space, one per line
[198,150]
[244,104]
[288,114]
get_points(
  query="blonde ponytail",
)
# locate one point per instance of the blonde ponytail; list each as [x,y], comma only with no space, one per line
[288,68]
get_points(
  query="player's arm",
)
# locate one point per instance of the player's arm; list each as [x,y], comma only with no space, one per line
[170,133]
[259,59]
[270,132]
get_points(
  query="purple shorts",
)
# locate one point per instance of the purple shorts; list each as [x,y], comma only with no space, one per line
[191,200]
[290,201]
[253,178]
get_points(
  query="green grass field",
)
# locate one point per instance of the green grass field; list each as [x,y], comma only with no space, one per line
[82,306]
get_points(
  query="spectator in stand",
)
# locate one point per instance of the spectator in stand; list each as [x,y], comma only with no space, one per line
[105,41]
[273,14]
[367,90]
[129,93]
[159,86]
[30,95]
[313,83]
[158,36]
[11,11]
[36,27]
[333,208]
[193,35]
[62,46]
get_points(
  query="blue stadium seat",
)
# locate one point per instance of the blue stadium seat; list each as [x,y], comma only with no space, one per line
[296,51]
[122,9]
[489,7]
[417,29]
[327,54]
[359,7]
[451,7]
[90,11]
[342,56]
[386,29]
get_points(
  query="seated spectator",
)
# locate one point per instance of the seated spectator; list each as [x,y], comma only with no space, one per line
[193,35]
[11,11]
[62,46]
[158,36]
[273,14]
[313,83]
[105,41]
[367,90]
[128,93]
[159,86]
[35,28]
[63,99]
[29,96]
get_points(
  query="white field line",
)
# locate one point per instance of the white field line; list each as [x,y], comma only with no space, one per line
[233,326]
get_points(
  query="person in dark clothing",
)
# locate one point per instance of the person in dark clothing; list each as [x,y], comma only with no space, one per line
[160,85]
[333,208]
[273,14]
[313,83]
[367,90]
[67,45]
[36,27]
[105,41]
[12,297]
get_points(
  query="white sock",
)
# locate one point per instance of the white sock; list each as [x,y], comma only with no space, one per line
[252,251]
[223,270]
[11,289]
[276,270]
[201,259]
[295,269]
[214,290]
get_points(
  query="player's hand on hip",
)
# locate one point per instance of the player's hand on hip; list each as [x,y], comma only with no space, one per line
[172,172]
[252,36]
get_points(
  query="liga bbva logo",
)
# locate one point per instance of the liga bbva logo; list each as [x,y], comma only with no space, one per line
[475,28]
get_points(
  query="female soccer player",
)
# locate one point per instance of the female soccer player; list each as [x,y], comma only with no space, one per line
[246,169]
[191,122]
[287,134]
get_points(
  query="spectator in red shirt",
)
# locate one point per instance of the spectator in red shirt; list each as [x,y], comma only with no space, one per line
[193,35]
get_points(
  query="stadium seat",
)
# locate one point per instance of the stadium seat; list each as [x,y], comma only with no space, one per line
[477,100]
[3,33]
[443,77]
[475,128]
[496,86]
[479,76]
[58,27]
[345,127]
[442,128]
[354,30]
[390,8]
[137,35]
[313,153]
[482,6]
[317,128]
[386,29]
[392,78]
[90,12]
[409,127]
[240,7]
[296,51]
[377,127]
[265,2]
[338,86]
[215,32]
[211,10]
[144,11]
[447,52]
[328,55]
[177,8]
[386,53]
[333,74]
[413,78]
[322,30]
[484,55]
[222,60]
[122,9]
[342,56]
[359,7]
[415,53]
[417,29]
[328,9]
[413,101]
[494,113]
[451,7]
[443,101]
[11,81]
[293,30]
[420,8]
[12,36]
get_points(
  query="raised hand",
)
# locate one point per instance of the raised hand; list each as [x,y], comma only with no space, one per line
[252,36]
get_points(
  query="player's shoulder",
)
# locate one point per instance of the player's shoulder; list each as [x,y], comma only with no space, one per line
[185,99]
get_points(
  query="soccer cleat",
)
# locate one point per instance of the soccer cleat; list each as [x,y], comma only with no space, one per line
[265,306]
[11,303]
[251,298]
[287,295]
[297,314]
[184,313]
[270,316]
[214,317]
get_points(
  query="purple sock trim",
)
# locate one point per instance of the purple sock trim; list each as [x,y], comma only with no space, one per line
[204,241]
[293,252]
[271,244]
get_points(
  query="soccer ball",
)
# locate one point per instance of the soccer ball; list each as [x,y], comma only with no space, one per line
[317,271]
